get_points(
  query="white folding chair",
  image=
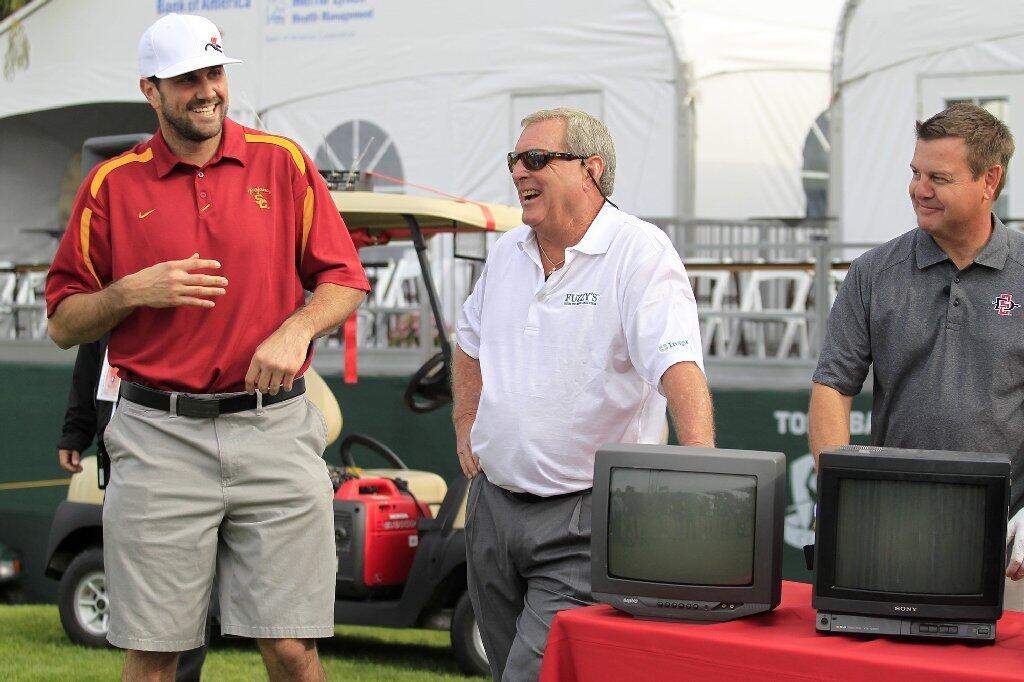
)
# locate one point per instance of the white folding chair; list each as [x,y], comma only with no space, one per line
[796,286]
[713,328]
[8,284]
[835,280]
[29,304]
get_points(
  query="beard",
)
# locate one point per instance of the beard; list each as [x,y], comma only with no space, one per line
[185,128]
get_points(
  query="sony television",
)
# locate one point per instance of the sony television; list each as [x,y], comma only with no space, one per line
[683,533]
[910,543]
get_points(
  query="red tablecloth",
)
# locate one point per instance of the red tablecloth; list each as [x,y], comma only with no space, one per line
[598,643]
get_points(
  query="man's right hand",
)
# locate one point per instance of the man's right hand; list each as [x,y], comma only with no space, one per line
[469,462]
[1015,534]
[70,460]
[172,283]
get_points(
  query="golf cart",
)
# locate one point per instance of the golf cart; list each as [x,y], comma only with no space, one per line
[399,533]
[11,573]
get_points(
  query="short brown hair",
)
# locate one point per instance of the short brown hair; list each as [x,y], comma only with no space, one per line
[988,140]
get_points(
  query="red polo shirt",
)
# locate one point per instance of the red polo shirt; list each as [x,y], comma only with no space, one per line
[259,207]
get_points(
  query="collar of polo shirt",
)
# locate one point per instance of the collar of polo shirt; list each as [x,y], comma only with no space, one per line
[598,236]
[927,252]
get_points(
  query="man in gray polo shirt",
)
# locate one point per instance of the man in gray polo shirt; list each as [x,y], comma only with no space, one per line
[936,311]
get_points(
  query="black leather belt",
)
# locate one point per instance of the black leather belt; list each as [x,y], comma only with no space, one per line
[198,406]
[530,497]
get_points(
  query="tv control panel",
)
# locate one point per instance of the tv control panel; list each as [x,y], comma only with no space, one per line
[842,623]
[680,609]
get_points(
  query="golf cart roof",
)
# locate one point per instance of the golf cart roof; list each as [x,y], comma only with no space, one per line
[383,211]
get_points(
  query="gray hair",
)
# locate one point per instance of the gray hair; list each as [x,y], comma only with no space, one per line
[584,136]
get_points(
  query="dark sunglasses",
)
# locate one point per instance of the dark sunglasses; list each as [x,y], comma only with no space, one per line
[535,159]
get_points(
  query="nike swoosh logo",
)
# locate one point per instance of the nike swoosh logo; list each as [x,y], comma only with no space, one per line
[143,215]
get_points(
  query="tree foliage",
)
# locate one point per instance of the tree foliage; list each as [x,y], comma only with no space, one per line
[16,55]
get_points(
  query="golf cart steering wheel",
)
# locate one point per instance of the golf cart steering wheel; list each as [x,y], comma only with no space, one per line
[428,388]
[373,444]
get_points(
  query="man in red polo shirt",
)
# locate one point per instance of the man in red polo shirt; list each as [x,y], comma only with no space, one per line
[195,250]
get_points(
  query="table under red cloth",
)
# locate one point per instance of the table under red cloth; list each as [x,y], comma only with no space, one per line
[598,643]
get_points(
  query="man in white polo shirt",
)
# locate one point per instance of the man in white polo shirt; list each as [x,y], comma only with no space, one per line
[582,327]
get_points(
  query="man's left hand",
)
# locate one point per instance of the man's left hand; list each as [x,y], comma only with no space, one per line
[1015,532]
[277,359]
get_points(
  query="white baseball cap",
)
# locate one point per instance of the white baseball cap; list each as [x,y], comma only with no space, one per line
[179,43]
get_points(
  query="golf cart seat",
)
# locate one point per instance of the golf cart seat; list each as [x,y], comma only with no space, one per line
[426,486]
[83,486]
[321,395]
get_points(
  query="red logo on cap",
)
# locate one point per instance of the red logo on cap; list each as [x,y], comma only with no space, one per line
[214,45]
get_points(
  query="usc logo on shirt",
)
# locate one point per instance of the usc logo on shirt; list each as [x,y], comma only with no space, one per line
[257,194]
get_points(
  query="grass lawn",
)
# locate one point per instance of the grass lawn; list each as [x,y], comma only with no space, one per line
[35,647]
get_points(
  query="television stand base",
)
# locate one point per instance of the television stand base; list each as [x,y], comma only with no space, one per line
[979,632]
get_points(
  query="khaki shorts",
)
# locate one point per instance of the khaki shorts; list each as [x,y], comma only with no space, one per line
[246,496]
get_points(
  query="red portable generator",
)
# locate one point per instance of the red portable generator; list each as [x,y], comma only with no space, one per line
[376,535]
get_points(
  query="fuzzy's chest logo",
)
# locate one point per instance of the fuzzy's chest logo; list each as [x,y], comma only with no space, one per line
[589,298]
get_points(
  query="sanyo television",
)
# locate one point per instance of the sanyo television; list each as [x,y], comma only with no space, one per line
[683,533]
[910,543]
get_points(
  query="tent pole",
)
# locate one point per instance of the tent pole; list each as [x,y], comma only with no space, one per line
[685,155]
[837,230]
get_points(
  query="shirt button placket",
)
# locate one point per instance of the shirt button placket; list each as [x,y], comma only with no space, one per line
[533,312]
[953,313]
[202,197]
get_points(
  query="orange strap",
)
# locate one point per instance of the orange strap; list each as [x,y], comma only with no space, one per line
[484,208]
[351,352]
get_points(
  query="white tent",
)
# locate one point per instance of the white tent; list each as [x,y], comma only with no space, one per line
[709,102]
[897,62]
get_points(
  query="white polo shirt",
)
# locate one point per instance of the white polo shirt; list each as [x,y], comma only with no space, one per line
[575,362]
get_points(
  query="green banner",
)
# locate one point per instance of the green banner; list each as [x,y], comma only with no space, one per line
[776,421]
[32,414]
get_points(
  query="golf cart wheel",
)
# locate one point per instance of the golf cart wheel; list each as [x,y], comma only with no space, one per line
[82,600]
[467,644]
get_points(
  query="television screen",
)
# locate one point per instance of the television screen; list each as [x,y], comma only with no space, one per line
[933,531]
[910,543]
[681,527]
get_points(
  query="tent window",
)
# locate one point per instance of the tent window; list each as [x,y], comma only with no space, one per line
[361,145]
[997,106]
[815,170]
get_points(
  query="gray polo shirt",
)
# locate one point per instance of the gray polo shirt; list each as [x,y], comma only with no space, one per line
[947,345]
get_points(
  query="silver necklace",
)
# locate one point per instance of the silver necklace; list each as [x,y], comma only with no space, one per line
[551,262]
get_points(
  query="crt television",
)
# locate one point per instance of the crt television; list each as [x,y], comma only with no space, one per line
[683,533]
[910,543]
